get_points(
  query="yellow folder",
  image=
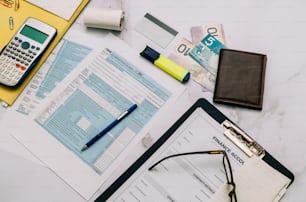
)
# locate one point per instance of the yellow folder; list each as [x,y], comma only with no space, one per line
[26,9]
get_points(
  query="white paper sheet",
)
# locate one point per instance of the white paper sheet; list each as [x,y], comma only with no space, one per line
[61,158]
[254,178]
[64,9]
[22,180]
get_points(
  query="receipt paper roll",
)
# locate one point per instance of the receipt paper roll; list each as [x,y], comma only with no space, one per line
[104,18]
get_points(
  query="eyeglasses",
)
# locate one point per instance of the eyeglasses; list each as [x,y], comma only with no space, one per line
[226,164]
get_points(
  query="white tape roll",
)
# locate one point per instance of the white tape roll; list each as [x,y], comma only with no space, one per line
[104,18]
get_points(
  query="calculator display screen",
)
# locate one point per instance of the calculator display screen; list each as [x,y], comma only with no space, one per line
[34,34]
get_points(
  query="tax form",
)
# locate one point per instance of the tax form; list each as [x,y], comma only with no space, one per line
[99,89]
[100,92]
[67,54]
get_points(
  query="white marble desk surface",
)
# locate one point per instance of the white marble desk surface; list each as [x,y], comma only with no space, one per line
[275,28]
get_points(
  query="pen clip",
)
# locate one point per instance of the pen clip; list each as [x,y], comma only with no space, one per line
[247,144]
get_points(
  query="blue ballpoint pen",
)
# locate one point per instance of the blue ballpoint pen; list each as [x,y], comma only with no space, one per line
[109,127]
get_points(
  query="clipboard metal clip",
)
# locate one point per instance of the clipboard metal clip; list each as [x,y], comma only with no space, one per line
[242,140]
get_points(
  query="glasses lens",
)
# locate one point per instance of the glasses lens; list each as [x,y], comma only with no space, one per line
[226,164]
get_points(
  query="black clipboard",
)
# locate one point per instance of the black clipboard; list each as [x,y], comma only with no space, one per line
[217,116]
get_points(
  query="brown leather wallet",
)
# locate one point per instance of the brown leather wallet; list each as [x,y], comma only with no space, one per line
[240,78]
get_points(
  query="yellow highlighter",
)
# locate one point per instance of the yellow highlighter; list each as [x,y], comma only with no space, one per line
[167,65]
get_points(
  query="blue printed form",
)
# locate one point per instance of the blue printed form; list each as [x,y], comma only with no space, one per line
[69,56]
[108,86]
[58,65]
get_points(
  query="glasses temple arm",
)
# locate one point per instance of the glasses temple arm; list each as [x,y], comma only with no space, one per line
[187,153]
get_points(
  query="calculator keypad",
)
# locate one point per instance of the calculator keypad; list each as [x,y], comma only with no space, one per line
[15,60]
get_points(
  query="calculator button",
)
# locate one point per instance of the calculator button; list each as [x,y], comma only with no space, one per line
[20,66]
[25,45]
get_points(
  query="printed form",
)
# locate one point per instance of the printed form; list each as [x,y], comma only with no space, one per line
[67,54]
[107,87]
[103,86]
[185,178]
[201,177]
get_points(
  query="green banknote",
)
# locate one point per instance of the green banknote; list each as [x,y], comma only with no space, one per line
[206,53]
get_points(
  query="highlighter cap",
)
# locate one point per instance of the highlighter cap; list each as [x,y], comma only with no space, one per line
[150,54]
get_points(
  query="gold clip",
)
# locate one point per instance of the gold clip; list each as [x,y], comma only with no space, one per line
[6,4]
[11,23]
[242,140]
